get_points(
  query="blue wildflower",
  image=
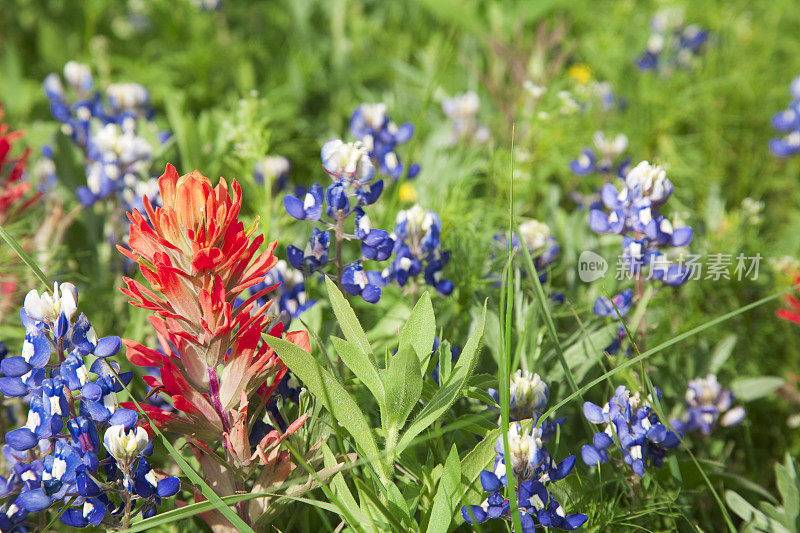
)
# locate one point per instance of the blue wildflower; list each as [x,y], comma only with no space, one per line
[631,422]
[708,404]
[380,136]
[51,465]
[534,469]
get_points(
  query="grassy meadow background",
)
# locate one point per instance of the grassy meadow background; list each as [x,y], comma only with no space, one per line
[283,77]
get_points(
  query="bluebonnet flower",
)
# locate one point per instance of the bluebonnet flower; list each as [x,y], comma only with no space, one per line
[528,396]
[534,469]
[606,160]
[274,167]
[631,422]
[50,464]
[788,123]
[353,188]
[604,307]
[462,110]
[417,251]
[672,43]
[708,404]
[537,237]
[380,136]
[634,213]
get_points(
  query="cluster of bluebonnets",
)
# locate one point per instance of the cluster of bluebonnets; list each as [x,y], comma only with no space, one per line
[634,213]
[414,244]
[56,456]
[787,122]
[673,44]
[534,469]
[117,158]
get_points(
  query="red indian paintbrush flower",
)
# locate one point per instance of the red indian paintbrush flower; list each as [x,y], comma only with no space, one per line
[12,188]
[198,258]
[793,313]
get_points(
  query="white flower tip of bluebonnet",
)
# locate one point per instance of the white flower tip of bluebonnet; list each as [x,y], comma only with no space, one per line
[52,85]
[703,391]
[651,179]
[78,76]
[462,105]
[610,147]
[794,87]
[47,307]
[374,115]
[535,234]
[524,449]
[346,159]
[125,445]
[128,96]
[274,165]
[528,390]
[655,44]
[417,219]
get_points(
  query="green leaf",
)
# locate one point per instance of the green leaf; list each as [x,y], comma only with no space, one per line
[347,320]
[722,351]
[747,389]
[362,367]
[341,491]
[447,496]
[745,511]
[330,392]
[419,330]
[786,480]
[449,392]
[403,384]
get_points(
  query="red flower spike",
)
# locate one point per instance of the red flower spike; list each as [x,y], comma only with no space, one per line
[12,187]
[197,259]
[793,313]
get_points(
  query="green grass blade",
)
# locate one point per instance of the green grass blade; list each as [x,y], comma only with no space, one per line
[27,259]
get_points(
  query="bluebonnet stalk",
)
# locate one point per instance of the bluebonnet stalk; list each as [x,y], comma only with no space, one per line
[534,469]
[634,213]
[616,307]
[672,44]
[380,136]
[353,188]
[418,251]
[462,110]
[606,159]
[57,455]
[632,423]
[107,132]
[788,123]
[708,405]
